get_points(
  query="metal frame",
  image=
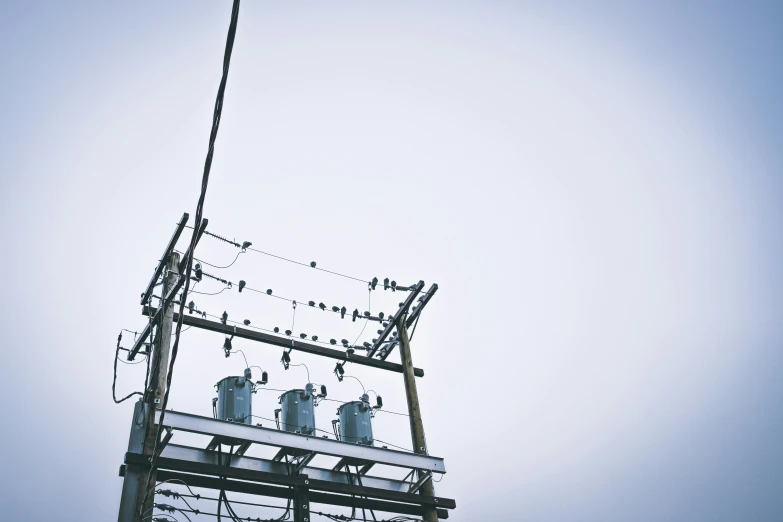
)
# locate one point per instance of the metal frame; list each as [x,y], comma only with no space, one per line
[202,481]
[295,441]
[284,342]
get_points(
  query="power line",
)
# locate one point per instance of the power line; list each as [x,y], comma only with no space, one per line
[386,284]
[194,238]
[114,381]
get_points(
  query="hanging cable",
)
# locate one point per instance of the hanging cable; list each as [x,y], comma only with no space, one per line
[198,219]
[114,382]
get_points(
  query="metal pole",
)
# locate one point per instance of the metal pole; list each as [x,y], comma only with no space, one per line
[159,368]
[417,427]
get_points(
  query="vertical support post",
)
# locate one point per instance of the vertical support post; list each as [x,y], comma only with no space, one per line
[159,369]
[133,473]
[302,501]
[414,412]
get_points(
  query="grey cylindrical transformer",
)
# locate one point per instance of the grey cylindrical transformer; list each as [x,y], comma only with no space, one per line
[298,411]
[355,422]
[235,400]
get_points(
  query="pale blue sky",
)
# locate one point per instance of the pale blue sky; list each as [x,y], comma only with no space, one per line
[594,186]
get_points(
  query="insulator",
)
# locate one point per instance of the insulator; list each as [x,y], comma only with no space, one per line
[246,322]
[191,306]
[374,283]
[224,317]
[276,329]
[288,332]
[312,264]
[264,377]
[199,273]
[344,341]
[394,286]
[323,390]
[322,306]
[380,332]
[311,303]
[386,283]
[385,325]
[342,312]
[349,351]
[303,335]
[241,285]
[227,345]
[367,345]
[366,314]
[286,357]
[380,315]
[355,314]
[379,401]
[248,374]
[268,291]
[246,245]
[335,309]
[314,338]
[332,341]
[374,341]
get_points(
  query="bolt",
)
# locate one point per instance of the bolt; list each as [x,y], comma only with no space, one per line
[307,481]
[304,506]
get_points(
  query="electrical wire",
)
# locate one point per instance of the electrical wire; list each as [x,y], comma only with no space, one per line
[218,266]
[309,265]
[369,309]
[208,293]
[200,497]
[306,369]
[312,264]
[243,356]
[114,381]
[193,240]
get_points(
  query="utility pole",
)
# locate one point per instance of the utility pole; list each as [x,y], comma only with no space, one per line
[414,412]
[159,368]
[150,459]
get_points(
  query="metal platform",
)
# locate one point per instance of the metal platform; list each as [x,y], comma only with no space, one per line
[295,441]
[293,478]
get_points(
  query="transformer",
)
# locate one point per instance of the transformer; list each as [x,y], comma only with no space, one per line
[356,421]
[298,411]
[235,400]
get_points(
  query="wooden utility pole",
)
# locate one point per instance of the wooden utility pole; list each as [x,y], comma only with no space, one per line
[414,412]
[159,369]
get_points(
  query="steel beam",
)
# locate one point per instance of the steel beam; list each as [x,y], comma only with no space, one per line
[284,439]
[393,320]
[199,481]
[164,257]
[283,479]
[175,451]
[285,342]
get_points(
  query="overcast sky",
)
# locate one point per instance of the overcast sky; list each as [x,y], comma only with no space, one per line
[595,188]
